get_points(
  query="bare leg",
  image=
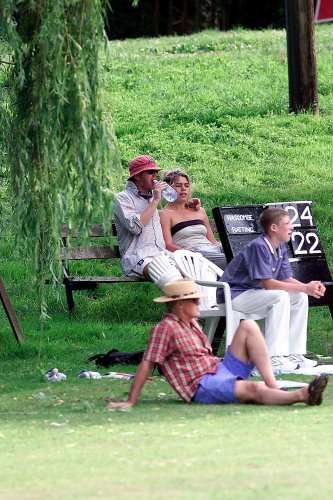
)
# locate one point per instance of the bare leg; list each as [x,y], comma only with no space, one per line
[249,345]
[257,392]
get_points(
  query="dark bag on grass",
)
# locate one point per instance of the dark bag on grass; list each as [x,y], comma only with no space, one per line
[115,357]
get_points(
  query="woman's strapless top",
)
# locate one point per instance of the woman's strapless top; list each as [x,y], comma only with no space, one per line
[189,233]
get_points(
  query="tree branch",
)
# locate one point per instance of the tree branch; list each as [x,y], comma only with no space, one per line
[7,62]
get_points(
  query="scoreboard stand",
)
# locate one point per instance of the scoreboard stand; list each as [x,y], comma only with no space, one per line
[238,225]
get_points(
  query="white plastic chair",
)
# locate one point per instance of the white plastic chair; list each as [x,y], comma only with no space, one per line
[194,266]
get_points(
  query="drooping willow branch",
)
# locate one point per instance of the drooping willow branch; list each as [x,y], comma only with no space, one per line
[63,158]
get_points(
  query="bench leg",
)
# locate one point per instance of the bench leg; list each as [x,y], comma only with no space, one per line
[69,296]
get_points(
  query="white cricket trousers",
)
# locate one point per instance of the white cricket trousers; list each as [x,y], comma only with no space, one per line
[286,318]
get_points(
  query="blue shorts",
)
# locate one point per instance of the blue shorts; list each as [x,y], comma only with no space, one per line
[219,387]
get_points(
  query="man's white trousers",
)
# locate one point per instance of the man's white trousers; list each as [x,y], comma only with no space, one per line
[286,318]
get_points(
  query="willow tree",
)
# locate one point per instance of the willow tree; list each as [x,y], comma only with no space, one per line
[62,156]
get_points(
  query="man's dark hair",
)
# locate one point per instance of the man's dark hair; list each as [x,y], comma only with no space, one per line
[271,216]
[169,305]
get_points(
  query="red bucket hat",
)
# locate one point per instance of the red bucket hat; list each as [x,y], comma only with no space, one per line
[141,163]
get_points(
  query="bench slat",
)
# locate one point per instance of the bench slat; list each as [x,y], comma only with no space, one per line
[94,231]
[94,252]
[103,279]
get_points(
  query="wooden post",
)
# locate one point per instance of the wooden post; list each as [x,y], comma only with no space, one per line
[10,313]
[303,94]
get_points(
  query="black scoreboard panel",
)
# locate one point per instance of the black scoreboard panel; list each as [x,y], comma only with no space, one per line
[305,242]
[238,225]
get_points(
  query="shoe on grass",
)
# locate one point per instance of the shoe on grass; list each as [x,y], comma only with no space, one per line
[302,361]
[316,389]
[282,364]
[88,374]
[52,372]
[54,375]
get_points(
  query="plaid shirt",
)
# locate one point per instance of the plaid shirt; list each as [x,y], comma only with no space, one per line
[184,353]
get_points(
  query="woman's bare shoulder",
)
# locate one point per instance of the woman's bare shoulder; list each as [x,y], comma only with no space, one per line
[165,211]
[165,214]
[200,212]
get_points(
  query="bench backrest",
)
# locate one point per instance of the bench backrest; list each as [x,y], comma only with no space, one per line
[238,225]
[104,251]
[101,251]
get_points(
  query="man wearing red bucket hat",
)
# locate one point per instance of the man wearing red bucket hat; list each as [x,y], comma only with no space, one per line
[138,224]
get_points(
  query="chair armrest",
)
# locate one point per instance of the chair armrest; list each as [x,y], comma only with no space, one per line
[217,284]
[227,302]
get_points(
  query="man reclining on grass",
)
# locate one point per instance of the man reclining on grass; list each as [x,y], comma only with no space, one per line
[182,350]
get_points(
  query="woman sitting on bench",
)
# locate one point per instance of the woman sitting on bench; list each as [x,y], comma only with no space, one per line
[186,225]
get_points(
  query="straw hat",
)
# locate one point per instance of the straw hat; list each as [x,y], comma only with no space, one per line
[180,290]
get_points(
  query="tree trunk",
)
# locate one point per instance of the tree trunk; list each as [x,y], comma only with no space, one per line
[303,93]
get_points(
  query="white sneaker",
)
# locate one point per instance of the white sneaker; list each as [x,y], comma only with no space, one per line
[54,375]
[88,374]
[282,364]
[255,372]
[302,361]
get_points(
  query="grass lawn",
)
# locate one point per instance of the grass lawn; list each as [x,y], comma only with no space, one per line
[217,105]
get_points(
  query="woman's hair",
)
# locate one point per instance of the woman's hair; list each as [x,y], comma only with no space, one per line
[171,175]
[271,216]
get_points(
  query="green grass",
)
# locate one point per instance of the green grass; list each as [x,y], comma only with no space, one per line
[217,105]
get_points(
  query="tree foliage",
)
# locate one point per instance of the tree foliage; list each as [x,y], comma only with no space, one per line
[62,155]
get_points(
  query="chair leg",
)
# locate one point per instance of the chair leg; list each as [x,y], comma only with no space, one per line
[216,342]
[210,327]
[331,310]
[232,324]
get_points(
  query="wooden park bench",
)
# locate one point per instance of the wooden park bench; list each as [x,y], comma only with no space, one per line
[238,225]
[101,250]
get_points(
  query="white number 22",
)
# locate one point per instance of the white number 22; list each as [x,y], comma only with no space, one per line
[310,238]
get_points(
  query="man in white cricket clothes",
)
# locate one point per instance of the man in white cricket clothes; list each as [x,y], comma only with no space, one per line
[261,282]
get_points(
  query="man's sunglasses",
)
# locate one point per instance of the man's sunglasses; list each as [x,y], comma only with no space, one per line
[151,172]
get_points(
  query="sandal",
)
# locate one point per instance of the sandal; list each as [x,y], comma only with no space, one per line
[316,389]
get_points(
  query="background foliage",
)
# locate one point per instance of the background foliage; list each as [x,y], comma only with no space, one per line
[61,154]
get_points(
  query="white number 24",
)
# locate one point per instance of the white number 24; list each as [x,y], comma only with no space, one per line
[305,215]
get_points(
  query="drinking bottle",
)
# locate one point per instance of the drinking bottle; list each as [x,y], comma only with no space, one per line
[169,194]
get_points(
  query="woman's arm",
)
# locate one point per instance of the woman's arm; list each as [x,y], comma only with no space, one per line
[165,219]
[210,235]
